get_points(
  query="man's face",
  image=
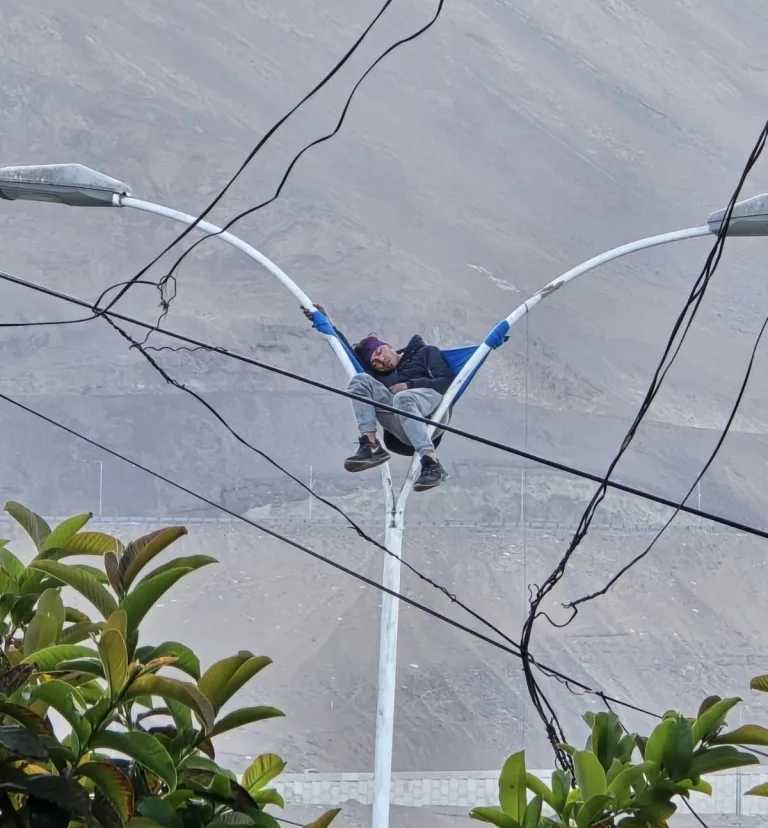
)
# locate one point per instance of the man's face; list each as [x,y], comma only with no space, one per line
[384,359]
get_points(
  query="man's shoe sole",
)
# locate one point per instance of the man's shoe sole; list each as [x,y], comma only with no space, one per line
[364,465]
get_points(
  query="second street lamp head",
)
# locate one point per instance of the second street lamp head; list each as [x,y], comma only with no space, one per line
[749,218]
[70,184]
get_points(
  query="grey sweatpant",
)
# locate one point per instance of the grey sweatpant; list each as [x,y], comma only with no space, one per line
[421,401]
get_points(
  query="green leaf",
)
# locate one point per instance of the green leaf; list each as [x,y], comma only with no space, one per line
[659,741]
[677,758]
[324,820]
[65,699]
[112,568]
[21,742]
[540,788]
[512,791]
[189,562]
[11,563]
[268,796]
[114,657]
[722,757]
[113,782]
[48,659]
[46,624]
[24,716]
[561,787]
[59,791]
[64,532]
[712,719]
[8,584]
[706,704]
[590,776]
[93,543]
[592,809]
[92,570]
[702,787]
[76,633]
[745,735]
[213,682]
[532,813]
[141,747]
[74,616]
[32,523]
[495,816]
[89,666]
[161,811]
[104,813]
[633,822]
[80,581]
[140,552]
[759,683]
[180,691]
[657,806]
[182,715]
[186,660]
[622,784]
[758,790]
[140,601]
[244,673]
[606,733]
[261,772]
[244,716]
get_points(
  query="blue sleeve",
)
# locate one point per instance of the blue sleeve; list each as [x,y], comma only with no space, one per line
[439,374]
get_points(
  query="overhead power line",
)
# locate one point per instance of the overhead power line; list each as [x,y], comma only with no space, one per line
[162,283]
[200,345]
[510,649]
[683,322]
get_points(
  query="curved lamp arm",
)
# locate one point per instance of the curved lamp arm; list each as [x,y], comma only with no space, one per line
[281,276]
[493,340]
[250,251]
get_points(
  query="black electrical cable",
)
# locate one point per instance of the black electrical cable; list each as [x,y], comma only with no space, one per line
[170,275]
[261,143]
[510,650]
[199,345]
[540,702]
[574,605]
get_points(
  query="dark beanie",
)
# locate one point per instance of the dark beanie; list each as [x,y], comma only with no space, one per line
[366,348]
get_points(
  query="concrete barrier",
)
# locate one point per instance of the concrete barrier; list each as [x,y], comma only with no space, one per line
[470,789]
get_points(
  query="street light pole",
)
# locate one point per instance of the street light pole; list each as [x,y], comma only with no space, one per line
[79,186]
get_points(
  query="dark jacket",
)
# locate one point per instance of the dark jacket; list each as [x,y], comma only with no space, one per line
[422,366]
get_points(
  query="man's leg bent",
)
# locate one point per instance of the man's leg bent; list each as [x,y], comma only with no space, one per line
[365,385]
[370,453]
[421,401]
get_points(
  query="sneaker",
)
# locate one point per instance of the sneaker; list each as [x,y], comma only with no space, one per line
[368,456]
[432,474]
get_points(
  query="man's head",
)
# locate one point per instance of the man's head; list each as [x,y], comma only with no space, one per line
[378,354]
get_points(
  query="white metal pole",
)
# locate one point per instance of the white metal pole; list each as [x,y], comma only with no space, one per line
[101,488]
[387,678]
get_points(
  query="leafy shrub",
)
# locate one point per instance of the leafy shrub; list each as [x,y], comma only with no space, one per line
[112,694]
[623,779]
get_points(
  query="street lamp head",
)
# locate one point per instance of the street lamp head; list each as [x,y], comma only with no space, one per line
[749,218]
[70,184]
